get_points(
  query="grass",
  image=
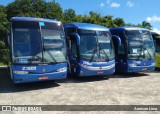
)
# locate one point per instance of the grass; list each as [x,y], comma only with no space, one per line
[2,63]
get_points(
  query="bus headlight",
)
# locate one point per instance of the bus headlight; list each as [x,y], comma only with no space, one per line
[153,64]
[20,72]
[62,69]
[132,65]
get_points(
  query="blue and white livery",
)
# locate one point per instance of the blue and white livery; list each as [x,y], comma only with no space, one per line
[90,49]
[137,52]
[37,49]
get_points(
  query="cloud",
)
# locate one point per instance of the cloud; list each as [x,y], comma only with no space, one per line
[153,19]
[156,30]
[115,5]
[101,5]
[130,4]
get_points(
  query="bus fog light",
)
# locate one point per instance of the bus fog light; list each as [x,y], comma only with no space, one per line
[20,72]
[62,69]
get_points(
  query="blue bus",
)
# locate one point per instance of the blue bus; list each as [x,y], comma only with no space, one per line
[90,49]
[37,49]
[137,52]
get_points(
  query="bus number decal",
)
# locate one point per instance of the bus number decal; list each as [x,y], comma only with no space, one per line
[29,68]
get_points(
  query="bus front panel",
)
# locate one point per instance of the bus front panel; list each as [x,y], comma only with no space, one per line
[95,54]
[38,49]
[33,73]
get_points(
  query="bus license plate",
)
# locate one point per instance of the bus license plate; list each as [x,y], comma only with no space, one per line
[43,77]
[100,72]
[144,69]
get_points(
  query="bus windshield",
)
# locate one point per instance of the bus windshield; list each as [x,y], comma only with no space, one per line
[95,45]
[140,44]
[37,42]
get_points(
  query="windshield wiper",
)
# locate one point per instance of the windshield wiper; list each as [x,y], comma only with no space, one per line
[94,52]
[104,52]
[49,53]
[34,58]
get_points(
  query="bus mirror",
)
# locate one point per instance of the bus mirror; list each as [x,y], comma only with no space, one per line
[77,38]
[117,39]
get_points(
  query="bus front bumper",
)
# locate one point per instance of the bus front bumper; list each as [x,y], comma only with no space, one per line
[140,68]
[94,71]
[25,78]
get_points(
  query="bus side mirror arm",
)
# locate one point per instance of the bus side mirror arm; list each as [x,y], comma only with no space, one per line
[117,38]
[77,37]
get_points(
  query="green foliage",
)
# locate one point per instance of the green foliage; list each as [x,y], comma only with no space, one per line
[143,25]
[108,21]
[52,10]
[69,16]
[3,32]
[4,53]
[146,25]
[3,22]
[2,45]
[119,22]
[34,8]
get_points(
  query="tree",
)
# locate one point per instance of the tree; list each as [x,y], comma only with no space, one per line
[119,22]
[52,10]
[69,15]
[93,17]
[146,25]
[79,18]
[35,8]
[3,34]
[4,56]
[107,21]
[3,22]
[20,8]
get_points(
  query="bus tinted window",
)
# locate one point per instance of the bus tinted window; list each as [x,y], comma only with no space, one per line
[24,24]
